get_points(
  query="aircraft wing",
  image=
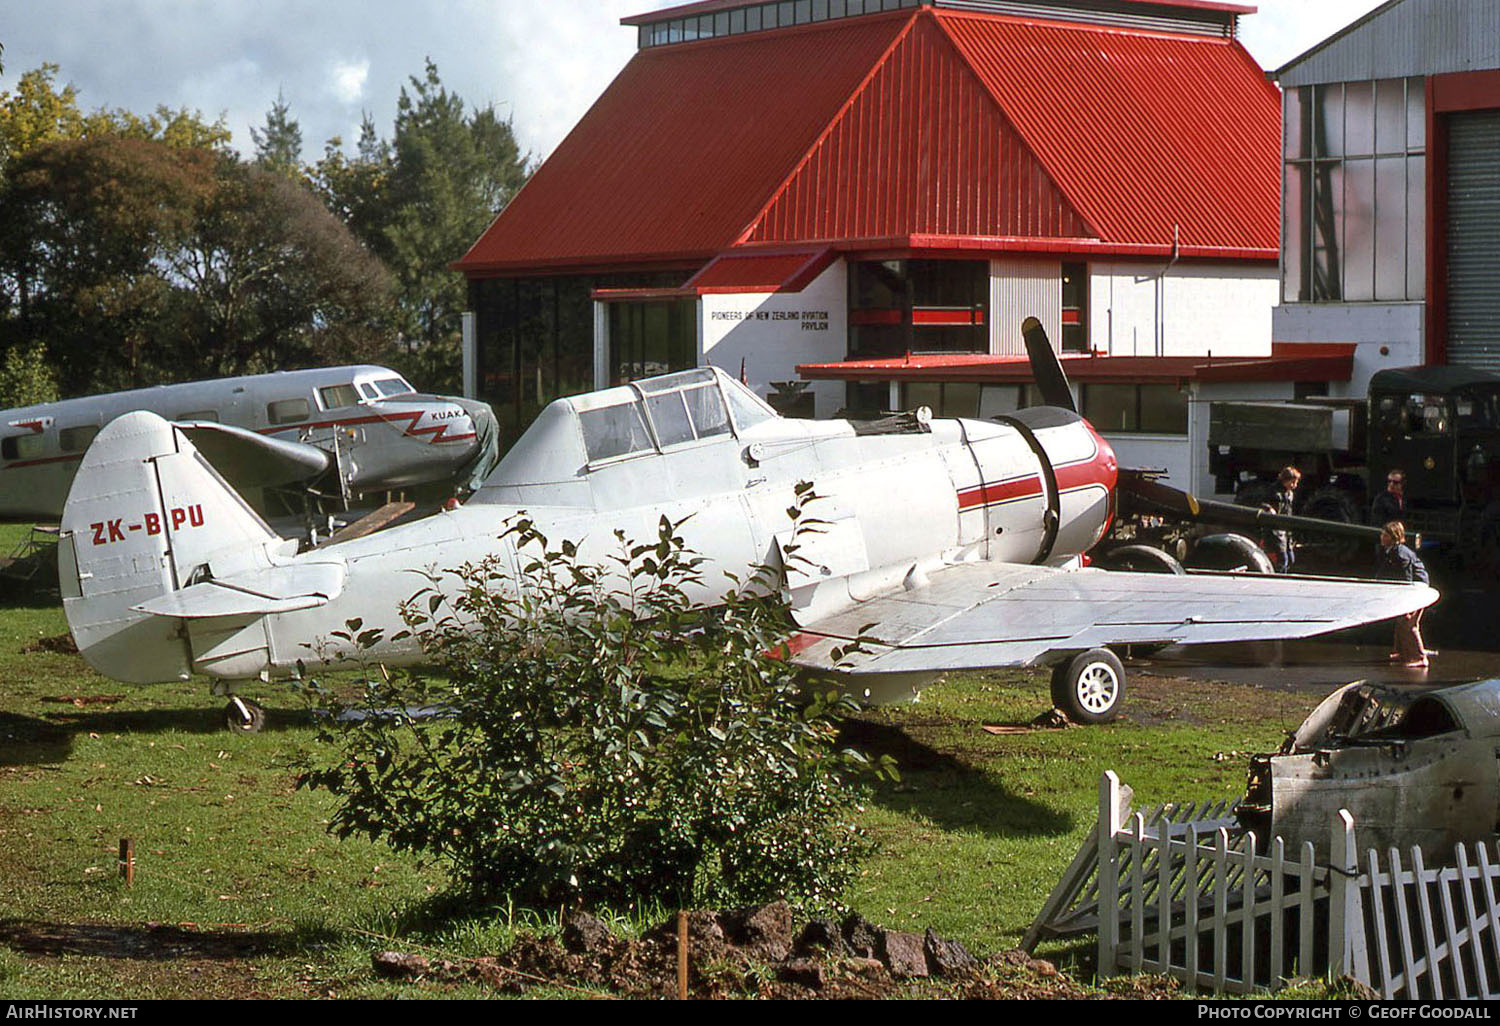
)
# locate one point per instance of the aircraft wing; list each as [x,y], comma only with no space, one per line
[251,460]
[969,616]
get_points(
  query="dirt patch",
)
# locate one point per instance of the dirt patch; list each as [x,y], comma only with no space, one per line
[754,953]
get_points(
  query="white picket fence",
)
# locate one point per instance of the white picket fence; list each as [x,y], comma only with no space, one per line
[1194,900]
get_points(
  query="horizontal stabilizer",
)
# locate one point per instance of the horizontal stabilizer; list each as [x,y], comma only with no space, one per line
[277,589]
[973,616]
[251,460]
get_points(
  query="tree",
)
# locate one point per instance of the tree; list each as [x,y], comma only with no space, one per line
[38,112]
[602,740]
[278,146]
[134,263]
[451,173]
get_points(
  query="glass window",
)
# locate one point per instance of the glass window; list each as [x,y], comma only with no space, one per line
[804,12]
[1075,308]
[1110,408]
[1354,193]
[288,411]
[614,431]
[23,447]
[706,409]
[820,10]
[392,386]
[77,439]
[746,408]
[752,19]
[669,417]
[368,390]
[334,397]
[208,415]
[737,20]
[1164,410]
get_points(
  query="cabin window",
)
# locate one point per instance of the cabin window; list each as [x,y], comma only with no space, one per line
[77,439]
[23,447]
[336,397]
[368,390]
[288,411]
[614,431]
[706,408]
[208,415]
[670,418]
[388,387]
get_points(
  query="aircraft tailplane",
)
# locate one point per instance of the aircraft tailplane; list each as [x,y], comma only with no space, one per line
[148,516]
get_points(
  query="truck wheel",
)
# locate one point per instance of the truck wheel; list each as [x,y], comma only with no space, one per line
[1233,553]
[1090,687]
[1144,559]
[1335,506]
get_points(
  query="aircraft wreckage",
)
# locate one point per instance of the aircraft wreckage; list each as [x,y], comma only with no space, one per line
[1414,768]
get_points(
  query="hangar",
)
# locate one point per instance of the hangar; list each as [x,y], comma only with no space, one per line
[1392,210]
[875,191]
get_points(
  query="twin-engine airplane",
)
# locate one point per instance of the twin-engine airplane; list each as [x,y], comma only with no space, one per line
[331,434]
[958,540]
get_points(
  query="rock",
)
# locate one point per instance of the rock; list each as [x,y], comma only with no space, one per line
[862,936]
[764,932]
[804,972]
[946,957]
[395,965]
[583,934]
[820,936]
[903,954]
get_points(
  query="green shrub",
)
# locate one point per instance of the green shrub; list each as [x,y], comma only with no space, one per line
[602,740]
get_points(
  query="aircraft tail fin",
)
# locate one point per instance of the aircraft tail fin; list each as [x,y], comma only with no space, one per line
[148,516]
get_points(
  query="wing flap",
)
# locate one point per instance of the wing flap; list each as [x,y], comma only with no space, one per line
[981,615]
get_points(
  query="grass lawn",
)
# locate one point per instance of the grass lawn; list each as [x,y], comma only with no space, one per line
[241,892]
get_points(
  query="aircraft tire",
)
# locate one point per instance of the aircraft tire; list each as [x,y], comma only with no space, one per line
[1229,553]
[1146,559]
[244,716]
[1089,687]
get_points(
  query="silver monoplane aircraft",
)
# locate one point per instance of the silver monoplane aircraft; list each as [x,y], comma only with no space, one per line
[959,540]
[340,432]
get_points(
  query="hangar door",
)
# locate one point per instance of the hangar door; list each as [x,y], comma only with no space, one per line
[1474,239]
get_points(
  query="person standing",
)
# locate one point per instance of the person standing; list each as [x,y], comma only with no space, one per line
[1283,555]
[1390,504]
[1396,562]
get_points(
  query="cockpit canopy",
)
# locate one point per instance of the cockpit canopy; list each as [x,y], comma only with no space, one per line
[581,434]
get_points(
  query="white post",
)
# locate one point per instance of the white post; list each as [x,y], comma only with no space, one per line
[470,357]
[1343,895]
[1111,818]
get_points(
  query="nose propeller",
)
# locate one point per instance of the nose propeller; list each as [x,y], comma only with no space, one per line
[1046,368]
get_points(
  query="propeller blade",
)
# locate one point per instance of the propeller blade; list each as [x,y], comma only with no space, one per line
[1046,368]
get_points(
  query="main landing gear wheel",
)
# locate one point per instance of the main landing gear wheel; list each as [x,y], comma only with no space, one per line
[1090,687]
[244,716]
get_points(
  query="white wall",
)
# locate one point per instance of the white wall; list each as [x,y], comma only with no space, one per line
[1140,309]
[774,332]
[1019,289]
[1386,334]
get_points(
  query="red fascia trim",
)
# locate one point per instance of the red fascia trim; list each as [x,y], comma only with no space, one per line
[590,264]
[639,295]
[1464,90]
[941,318]
[938,245]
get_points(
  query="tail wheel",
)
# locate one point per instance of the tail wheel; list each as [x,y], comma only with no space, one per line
[1090,687]
[244,716]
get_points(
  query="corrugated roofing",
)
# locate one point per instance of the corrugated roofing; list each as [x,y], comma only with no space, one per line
[923,149]
[756,271]
[684,148]
[927,129]
[1142,131]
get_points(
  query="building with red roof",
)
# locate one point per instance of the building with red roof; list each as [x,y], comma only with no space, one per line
[855,187]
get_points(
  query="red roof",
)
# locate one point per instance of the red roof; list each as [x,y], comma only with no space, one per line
[926,129]
[1289,361]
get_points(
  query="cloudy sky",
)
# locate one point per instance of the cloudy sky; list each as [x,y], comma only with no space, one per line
[541,62]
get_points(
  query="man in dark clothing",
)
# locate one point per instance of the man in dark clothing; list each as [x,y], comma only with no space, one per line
[1390,504]
[1396,562]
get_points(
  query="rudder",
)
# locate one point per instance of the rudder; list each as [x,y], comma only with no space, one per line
[147,515]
